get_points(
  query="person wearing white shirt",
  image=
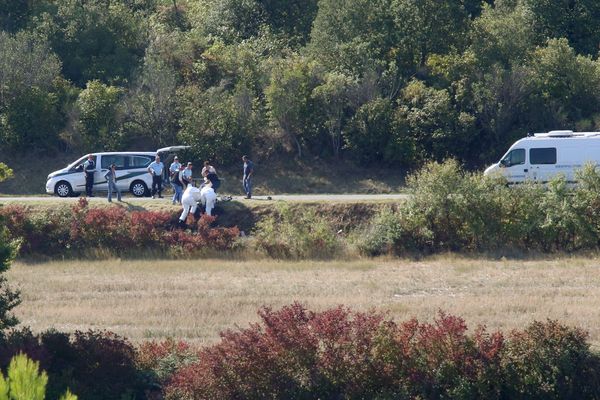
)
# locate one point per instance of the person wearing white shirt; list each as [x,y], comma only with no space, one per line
[156,169]
[208,198]
[189,201]
[186,175]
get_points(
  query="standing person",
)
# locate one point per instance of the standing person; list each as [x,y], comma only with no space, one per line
[156,169]
[248,172]
[186,176]
[111,179]
[89,167]
[174,177]
[189,201]
[210,173]
[208,198]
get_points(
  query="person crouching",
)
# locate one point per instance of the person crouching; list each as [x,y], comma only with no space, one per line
[189,201]
[208,198]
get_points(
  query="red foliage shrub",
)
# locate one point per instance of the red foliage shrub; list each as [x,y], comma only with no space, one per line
[296,353]
[44,233]
[107,228]
[148,227]
[162,359]
[113,229]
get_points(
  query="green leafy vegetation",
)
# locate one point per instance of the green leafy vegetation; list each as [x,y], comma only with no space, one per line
[296,235]
[392,82]
[453,210]
[9,298]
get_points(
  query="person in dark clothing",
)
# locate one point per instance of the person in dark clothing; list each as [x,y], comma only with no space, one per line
[210,173]
[89,167]
[248,172]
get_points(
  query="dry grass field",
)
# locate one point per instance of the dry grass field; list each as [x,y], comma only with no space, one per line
[196,299]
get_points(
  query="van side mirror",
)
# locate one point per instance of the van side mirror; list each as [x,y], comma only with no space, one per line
[79,168]
[504,163]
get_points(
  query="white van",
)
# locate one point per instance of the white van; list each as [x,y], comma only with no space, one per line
[132,172]
[541,156]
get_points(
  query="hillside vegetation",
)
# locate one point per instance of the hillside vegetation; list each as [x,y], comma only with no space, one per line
[381,82]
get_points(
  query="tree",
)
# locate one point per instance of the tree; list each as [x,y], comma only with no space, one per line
[565,86]
[293,18]
[14,15]
[336,95]
[504,33]
[29,92]
[99,116]
[578,21]
[430,26]
[429,117]
[96,40]
[151,106]
[373,136]
[230,20]
[354,36]
[217,124]
[9,298]
[25,62]
[289,99]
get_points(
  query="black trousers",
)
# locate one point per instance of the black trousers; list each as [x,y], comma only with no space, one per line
[89,184]
[156,183]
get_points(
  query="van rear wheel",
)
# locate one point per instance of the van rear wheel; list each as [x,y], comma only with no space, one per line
[63,189]
[138,189]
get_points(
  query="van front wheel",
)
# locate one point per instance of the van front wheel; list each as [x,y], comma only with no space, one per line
[138,189]
[63,189]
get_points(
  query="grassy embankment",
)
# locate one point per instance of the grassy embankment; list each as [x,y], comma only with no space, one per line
[344,215]
[197,299]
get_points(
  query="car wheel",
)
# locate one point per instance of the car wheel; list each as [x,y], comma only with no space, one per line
[138,189]
[63,189]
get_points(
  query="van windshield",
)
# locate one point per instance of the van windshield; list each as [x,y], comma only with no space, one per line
[78,162]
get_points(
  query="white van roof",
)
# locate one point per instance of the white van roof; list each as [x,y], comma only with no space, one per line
[565,134]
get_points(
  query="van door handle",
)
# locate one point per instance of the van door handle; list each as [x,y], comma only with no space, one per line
[526,170]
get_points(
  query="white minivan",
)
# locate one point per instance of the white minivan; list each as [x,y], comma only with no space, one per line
[541,156]
[131,166]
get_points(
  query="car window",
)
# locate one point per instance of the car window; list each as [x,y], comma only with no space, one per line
[139,161]
[515,157]
[116,159]
[543,155]
[77,163]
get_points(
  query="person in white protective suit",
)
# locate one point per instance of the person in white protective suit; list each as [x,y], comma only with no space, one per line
[189,201]
[208,198]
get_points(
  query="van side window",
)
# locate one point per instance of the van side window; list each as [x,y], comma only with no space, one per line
[543,155]
[514,157]
[108,160]
[139,161]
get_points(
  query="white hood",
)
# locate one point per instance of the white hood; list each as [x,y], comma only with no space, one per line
[492,169]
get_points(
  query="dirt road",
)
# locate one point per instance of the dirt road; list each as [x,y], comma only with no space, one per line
[283,197]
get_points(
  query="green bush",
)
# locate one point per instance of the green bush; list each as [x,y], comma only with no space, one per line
[453,210]
[296,236]
[24,381]
[550,361]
